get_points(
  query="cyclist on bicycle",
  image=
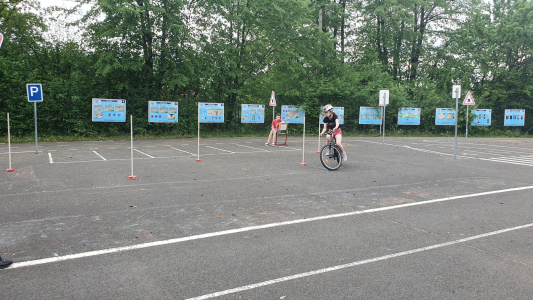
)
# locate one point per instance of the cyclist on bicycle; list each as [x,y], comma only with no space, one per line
[331,122]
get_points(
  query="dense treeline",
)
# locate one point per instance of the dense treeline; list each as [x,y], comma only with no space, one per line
[311,52]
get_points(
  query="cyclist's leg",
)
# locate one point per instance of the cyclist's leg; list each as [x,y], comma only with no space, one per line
[338,138]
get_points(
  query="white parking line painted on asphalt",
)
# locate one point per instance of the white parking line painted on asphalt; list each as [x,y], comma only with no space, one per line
[181,150]
[251,228]
[357,263]
[219,149]
[513,162]
[22,151]
[50,157]
[103,158]
[144,153]
[252,147]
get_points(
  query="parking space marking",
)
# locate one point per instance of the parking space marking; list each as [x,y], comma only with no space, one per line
[357,263]
[50,157]
[526,161]
[144,153]
[219,149]
[20,152]
[182,150]
[252,147]
[265,226]
[103,158]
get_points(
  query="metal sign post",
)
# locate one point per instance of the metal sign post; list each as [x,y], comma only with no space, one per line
[457,90]
[469,100]
[273,104]
[466,136]
[383,101]
[35,94]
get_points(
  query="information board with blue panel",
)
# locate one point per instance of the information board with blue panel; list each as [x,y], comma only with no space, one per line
[252,113]
[211,112]
[445,116]
[162,112]
[483,117]
[515,117]
[109,110]
[339,111]
[409,116]
[292,114]
[369,115]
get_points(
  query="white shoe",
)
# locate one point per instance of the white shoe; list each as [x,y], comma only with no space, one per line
[344,157]
[267,144]
[273,145]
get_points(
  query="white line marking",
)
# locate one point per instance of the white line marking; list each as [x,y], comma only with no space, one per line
[357,263]
[245,229]
[144,153]
[507,162]
[99,155]
[182,151]
[219,149]
[252,147]
[23,151]
[50,157]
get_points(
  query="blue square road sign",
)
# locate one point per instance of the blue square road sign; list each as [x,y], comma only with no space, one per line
[35,92]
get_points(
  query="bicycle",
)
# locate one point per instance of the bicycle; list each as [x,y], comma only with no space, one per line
[330,156]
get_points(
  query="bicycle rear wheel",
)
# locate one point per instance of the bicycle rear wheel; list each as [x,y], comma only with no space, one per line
[331,157]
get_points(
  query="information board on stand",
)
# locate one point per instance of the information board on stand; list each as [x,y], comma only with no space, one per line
[370,115]
[162,112]
[409,116]
[514,117]
[252,113]
[445,116]
[109,110]
[483,117]
[211,112]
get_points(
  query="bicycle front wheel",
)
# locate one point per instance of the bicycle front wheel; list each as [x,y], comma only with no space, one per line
[331,157]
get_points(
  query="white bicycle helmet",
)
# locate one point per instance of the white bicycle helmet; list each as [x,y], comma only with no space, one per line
[327,107]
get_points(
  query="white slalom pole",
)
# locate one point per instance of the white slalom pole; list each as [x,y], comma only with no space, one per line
[318,150]
[131,131]
[9,144]
[303,148]
[198,159]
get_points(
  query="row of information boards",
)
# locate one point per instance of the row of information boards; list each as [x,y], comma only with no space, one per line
[114,110]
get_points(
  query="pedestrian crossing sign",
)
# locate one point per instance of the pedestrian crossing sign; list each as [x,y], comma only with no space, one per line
[273,99]
[469,100]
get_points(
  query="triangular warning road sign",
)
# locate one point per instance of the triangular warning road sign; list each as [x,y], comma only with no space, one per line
[272,99]
[469,100]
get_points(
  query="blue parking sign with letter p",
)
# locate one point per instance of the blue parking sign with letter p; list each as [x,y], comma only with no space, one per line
[35,92]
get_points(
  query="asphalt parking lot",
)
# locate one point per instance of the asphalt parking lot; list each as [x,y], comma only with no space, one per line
[399,220]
